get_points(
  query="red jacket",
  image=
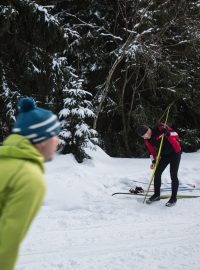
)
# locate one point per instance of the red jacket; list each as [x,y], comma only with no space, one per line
[170,142]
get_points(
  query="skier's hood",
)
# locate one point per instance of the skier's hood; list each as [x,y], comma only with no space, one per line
[18,147]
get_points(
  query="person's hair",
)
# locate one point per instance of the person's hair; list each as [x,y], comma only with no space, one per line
[141,130]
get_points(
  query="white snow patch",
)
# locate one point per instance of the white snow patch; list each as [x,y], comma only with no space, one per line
[82,227]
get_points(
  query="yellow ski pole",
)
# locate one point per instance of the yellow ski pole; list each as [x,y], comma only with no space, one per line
[158,156]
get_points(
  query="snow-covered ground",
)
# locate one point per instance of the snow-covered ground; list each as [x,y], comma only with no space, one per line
[82,227]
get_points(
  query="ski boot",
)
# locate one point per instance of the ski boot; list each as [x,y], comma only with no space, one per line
[153,198]
[171,202]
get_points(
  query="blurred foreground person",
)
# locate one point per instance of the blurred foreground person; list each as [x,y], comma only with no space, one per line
[33,141]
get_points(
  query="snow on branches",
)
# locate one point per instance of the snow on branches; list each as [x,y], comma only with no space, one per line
[76,134]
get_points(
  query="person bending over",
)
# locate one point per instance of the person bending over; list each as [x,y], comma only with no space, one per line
[170,154]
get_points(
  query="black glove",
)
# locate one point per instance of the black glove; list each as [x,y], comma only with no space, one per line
[136,190]
[165,132]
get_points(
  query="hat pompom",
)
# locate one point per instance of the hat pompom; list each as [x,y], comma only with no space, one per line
[26,105]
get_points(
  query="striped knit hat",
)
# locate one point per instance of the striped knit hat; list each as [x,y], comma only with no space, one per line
[34,123]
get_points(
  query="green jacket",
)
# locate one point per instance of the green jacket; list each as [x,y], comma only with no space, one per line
[22,189]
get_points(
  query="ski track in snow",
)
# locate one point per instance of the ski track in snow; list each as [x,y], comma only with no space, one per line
[82,227]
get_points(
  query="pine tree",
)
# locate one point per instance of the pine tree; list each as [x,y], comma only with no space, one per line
[135,56]
[29,49]
[76,133]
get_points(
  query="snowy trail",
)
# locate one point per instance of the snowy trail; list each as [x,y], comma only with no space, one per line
[118,240]
[82,227]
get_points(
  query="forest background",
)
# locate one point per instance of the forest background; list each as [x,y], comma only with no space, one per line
[104,67]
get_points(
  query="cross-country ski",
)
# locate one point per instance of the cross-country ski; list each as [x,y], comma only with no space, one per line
[161,196]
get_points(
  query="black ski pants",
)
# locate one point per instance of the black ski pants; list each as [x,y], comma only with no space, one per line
[174,161]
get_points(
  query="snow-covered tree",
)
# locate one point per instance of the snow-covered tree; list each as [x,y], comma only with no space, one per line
[76,133]
[29,48]
[135,56]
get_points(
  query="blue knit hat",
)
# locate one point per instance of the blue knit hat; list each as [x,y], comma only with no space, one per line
[34,123]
